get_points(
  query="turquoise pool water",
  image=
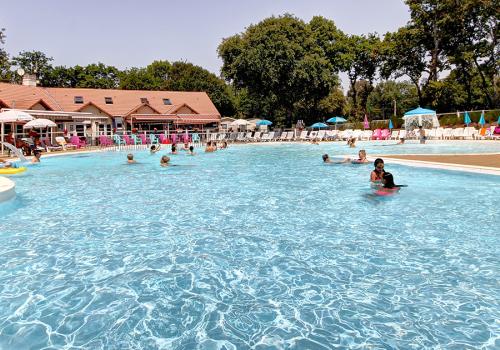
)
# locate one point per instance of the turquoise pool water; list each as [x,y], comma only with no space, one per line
[259,247]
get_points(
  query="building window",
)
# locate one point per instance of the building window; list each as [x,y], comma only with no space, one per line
[144,100]
[79,99]
[166,101]
[108,100]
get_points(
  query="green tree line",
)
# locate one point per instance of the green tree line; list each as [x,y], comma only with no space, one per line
[285,69]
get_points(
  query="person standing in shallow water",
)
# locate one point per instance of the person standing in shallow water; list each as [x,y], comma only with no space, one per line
[377,174]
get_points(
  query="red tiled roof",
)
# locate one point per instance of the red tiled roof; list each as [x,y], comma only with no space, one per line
[125,102]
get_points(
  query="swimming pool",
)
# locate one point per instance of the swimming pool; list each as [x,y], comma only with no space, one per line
[251,247]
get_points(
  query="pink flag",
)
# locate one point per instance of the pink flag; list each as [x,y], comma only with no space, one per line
[366,124]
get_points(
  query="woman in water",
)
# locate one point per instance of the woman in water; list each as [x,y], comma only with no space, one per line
[377,174]
[174,149]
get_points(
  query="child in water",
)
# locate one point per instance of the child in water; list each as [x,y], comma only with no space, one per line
[174,149]
[130,159]
[389,187]
[164,161]
[191,151]
[154,149]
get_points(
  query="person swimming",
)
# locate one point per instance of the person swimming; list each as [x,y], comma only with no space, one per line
[164,161]
[36,156]
[154,149]
[352,142]
[377,174]
[326,158]
[173,149]
[191,151]
[361,158]
[130,159]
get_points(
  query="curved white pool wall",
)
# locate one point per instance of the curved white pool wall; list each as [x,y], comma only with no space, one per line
[7,189]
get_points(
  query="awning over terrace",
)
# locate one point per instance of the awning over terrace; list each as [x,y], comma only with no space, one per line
[175,118]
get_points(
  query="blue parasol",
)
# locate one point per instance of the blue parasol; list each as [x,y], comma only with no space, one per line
[481,120]
[390,124]
[263,122]
[467,120]
[319,125]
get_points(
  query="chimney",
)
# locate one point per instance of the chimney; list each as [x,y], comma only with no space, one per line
[29,79]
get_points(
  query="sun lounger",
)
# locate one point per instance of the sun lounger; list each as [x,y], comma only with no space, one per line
[447,133]
[75,140]
[458,133]
[357,134]
[303,135]
[240,137]
[376,134]
[257,136]
[394,134]
[312,135]
[321,135]
[402,134]
[49,146]
[439,133]
[153,139]
[270,136]
[62,142]
[118,140]
[104,141]
[290,136]
[248,136]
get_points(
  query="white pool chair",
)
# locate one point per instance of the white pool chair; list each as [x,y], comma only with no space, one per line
[458,133]
[439,133]
[395,135]
[270,136]
[321,135]
[447,133]
[257,136]
[430,133]
[303,135]
[312,135]
[402,134]
[248,136]
[356,133]
[290,136]
[241,137]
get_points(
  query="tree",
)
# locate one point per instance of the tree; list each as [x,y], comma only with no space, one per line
[278,57]
[430,18]
[360,59]
[4,58]
[403,54]
[184,76]
[33,62]
[388,94]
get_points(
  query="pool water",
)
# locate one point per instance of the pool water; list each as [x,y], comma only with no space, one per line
[260,247]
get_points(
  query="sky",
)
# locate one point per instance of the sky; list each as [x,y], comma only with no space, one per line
[134,33]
